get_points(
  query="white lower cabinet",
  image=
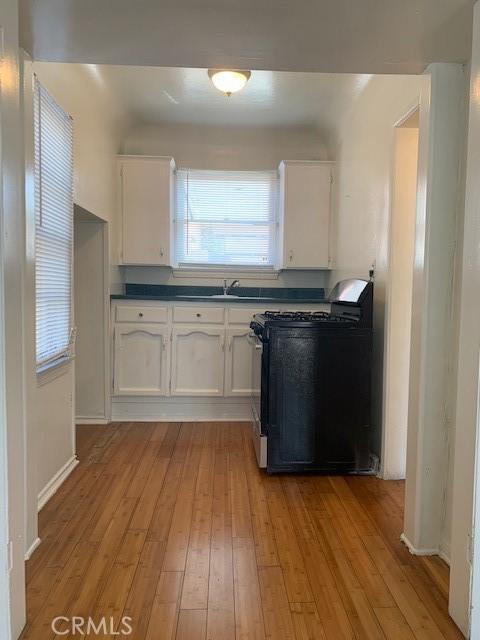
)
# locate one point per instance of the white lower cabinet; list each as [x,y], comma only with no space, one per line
[197,360]
[189,351]
[141,366]
[238,363]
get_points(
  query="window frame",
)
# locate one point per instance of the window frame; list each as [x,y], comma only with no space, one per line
[217,270]
[52,366]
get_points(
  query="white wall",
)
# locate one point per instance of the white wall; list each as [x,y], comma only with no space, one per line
[226,147]
[91,318]
[164,275]
[362,197]
[99,123]
[363,202]
[98,127]
[399,303]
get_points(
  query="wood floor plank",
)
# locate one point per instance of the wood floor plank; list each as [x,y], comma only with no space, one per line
[61,599]
[393,623]
[142,592]
[306,621]
[221,612]
[147,501]
[98,571]
[265,544]
[166,606]
[438,572]
[248,610]
[162,517]
[179,534]
[277,616]
[291,560]
[192,624]
[74,530]
[173,525]
[98,526]
[197,568]
[239,496]
[406,598]
[433,600]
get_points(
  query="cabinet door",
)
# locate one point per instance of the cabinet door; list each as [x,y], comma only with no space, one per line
[146,200]
[197,360]
[305,215]
[238,363]
[141,360]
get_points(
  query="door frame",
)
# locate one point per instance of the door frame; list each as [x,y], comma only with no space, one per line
[464,601]
[385,471]
[12,335]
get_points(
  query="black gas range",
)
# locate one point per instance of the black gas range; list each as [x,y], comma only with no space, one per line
[312,373]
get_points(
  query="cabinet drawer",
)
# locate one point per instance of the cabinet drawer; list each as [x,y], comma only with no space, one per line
[128,313]
[212,315]
[245,316]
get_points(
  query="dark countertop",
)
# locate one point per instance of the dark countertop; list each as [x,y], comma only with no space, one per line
[259,295]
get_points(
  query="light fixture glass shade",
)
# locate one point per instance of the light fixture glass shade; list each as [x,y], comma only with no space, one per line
[229,81]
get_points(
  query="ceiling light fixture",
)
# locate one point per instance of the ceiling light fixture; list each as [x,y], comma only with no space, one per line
[229,81]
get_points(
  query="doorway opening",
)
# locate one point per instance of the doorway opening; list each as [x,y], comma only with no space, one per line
[399,299]
[91,310]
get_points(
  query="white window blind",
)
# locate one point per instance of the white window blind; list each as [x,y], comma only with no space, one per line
[53,226]
[225,218]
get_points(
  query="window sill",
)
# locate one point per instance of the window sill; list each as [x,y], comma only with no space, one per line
[245,273]
[53,370]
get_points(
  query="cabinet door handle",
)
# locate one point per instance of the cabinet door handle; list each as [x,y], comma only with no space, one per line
[140,315]
[161,252]
[230,342]
[199,315]
[290,255]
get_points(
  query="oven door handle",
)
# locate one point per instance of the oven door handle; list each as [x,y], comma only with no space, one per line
[255,341]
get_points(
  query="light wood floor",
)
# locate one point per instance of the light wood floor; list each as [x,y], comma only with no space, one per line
[175,526]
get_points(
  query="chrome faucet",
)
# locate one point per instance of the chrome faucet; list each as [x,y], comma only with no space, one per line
[227,289]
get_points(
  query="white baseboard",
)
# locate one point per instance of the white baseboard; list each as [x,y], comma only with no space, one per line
[418,551]
[181,409]
[32,548]
[56,482]
[85,420]
[444,556]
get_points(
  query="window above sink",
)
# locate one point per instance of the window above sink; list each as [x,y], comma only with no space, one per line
[225,219]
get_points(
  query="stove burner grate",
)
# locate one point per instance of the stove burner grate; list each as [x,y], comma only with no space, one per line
[305,316]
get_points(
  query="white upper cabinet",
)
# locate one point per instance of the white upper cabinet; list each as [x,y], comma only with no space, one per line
[304,215]
[146,204]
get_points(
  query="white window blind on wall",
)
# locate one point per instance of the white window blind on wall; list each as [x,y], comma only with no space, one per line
[225,218]
[53,226]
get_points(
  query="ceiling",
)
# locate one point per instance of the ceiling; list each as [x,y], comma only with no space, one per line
[353,36]
[165,96]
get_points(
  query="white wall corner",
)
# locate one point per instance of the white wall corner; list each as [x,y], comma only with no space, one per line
[440,147]
[32,548]
[418,551]
[56,482]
